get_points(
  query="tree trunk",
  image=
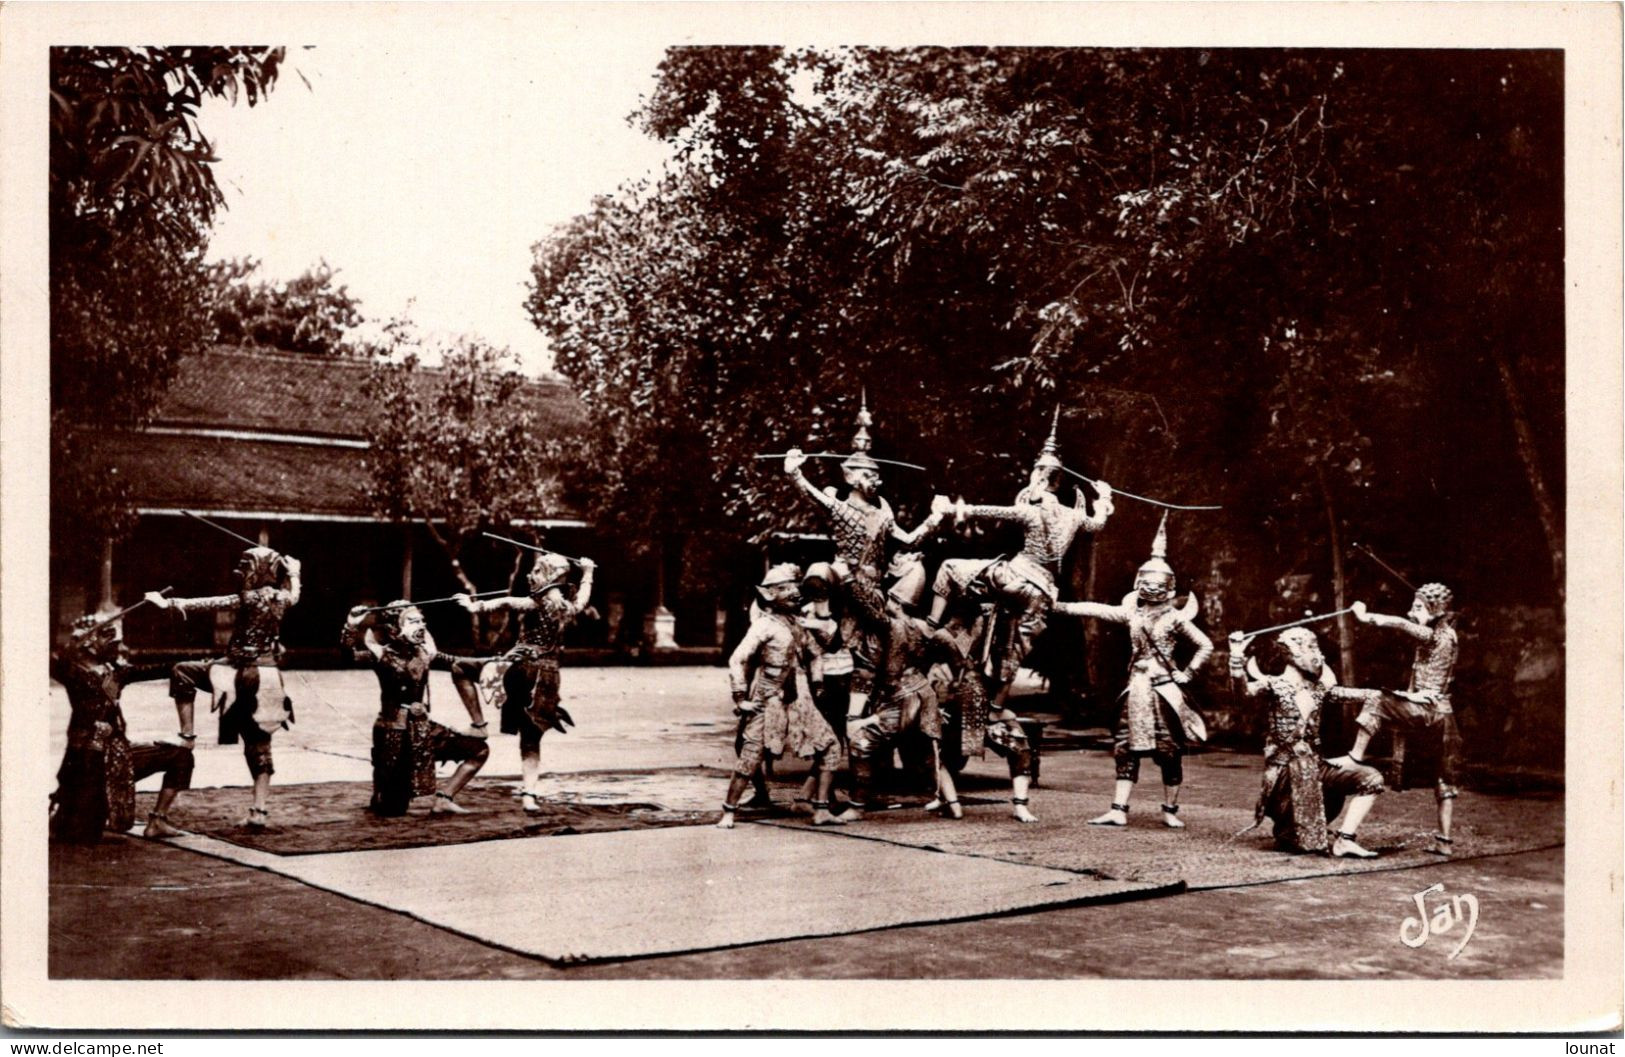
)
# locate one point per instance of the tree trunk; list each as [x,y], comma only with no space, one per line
[406,560]
[452,547]
[1334,538]
[1545,509]
[1345,626]
[106,602]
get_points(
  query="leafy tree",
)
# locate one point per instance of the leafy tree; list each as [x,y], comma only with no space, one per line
[1282,281]
[132,192]
[463,448]
[311,313]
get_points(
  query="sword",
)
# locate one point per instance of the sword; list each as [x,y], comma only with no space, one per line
[221,528]
[1298,623]
[530,547]
[102,622]
[838,455]
[1369,553]
[1141,498]
[434,601]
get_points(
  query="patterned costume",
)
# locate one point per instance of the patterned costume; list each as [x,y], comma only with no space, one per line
[530,669]
[406,745]
[862,523]
[96,782]
[968,718]
[270,586]
[1300,789]
[773,719]
[1426,709]
[903,700]
[1155,719]
[832,667]
[1025,585]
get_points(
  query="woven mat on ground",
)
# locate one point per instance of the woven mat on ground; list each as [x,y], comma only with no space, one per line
[1204,855]
[637,893]
[333,817]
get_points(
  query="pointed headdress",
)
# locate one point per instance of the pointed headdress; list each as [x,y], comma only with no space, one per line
[1155,580]
[1050,457]
[860,459]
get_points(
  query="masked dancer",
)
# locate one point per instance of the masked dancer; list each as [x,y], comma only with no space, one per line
[1024,586]
[903,702]
[1301,788]
[529,686]
[406,743]
[862,523]
[96,782]
[245,685]
[1425,709]
[1155,720]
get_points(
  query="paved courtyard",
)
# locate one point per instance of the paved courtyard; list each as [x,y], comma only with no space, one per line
[137,909]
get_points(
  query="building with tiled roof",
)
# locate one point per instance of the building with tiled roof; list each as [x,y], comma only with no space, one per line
[256,434]
[272,446]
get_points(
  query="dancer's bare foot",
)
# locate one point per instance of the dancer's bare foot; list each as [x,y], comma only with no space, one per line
[951,809]
[1442,846]
[445,805]
[822,817]
[1117,816]
[158,826]
[727,819]
[1019,809]
[258,818]
[1345,847]
[1170,816]
[530,803]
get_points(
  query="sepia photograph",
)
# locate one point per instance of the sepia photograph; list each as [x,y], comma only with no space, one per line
[1045,503]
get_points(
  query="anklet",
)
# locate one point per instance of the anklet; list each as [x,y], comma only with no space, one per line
[480,726]
[1442,839]
[1018,800]
[1120,807]
[442,795]
[729,808]
[188,737]
[1170,809]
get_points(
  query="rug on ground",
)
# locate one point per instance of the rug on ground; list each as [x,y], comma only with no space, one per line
[636,893]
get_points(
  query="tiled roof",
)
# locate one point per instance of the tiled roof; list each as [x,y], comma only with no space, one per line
[179,472]
[208,473]
[308,401]
[234,388]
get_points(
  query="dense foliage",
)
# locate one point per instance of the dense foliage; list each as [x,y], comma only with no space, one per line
[1321,289]
[311,313]
[465,448]
[132,192]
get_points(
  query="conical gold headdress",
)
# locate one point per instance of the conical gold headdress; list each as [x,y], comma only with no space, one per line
[860,459]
